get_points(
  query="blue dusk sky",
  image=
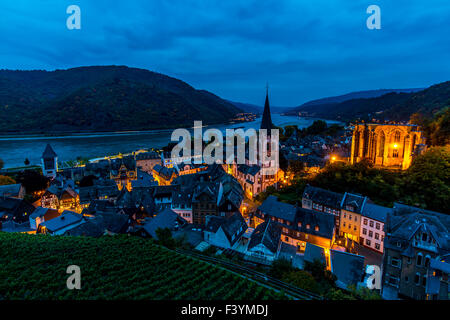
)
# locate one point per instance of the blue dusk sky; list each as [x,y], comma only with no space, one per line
[305,49]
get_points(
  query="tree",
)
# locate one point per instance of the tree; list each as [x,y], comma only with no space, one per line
[32,181]
[296,167]
[301,279]
[320,273]
[26,162]
[280,267]
[165,238]
[336,294]
[4,180]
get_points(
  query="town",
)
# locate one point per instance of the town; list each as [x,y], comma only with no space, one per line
[238,211]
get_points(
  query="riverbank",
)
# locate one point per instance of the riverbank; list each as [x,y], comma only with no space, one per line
[15,148]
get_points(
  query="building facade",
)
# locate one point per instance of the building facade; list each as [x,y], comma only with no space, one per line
[390,146]
[414,238]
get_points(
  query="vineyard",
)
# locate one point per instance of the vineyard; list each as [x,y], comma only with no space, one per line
[119,267]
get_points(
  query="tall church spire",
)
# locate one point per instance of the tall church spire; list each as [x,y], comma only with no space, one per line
[266,122]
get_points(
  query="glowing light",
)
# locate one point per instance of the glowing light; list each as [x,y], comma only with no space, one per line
[333,158]
[395,146]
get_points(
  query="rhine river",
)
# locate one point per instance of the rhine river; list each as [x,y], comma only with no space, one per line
[15,149]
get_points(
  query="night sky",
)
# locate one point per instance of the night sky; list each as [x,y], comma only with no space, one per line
[305,49]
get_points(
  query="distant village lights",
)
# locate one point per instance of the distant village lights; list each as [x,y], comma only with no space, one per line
[263,146]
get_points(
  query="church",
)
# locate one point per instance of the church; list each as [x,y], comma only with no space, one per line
[256,178]
[389,146]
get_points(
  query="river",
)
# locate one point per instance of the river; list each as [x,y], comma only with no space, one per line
[15,149]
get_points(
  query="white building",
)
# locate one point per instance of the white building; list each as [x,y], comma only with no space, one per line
[49,162]
[373,218]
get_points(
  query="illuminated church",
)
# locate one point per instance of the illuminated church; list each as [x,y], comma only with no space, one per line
[386,145]
[255,178]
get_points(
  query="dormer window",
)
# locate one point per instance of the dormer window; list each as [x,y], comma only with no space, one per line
[299,224]
[424,236]
[316,228]
[308,226]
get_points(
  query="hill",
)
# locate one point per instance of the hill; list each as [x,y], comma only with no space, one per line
[357,95]
[396,106]
[103,98]
[113,267]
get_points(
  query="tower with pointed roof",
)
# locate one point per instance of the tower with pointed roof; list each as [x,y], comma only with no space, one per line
[49,161]
[266,122]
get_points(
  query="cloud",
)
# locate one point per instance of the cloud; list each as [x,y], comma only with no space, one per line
[304,49]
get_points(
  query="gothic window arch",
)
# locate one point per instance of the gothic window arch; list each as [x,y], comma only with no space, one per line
[382,143]
[357,144]
[397,136]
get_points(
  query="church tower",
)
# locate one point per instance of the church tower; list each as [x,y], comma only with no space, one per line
[266,122]
[49,161]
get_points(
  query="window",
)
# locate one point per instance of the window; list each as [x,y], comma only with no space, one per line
[349,225]
[364,231]
[350,216]
[356,218]
[377,246]
[419,259]
[365,222]
[345,215]
[316,228]
[377,226]
[370,234]
[286,238]
[344,224]
[395,262]
[406,279]
[308,226]
[417,278]
[377,236]
[424,280]
[424,236]
[368,242]
[354,228]
[371,224]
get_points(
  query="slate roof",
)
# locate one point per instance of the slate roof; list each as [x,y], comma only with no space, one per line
[246,169]
[325,197]
[164,172]
[147,155]
[313,252]
[272,207]
[165,219]
[66,219]
[267,233]
[376,212]
[49,153]
[266,121]
[354,200]
[348,267]
[325,222]
[14,206]
[10,190]
[404,221]
[11,226]
[182,197]
[230,226]
[40,212]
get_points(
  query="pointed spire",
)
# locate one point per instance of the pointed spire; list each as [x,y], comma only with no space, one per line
[266,122]
[49,153]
